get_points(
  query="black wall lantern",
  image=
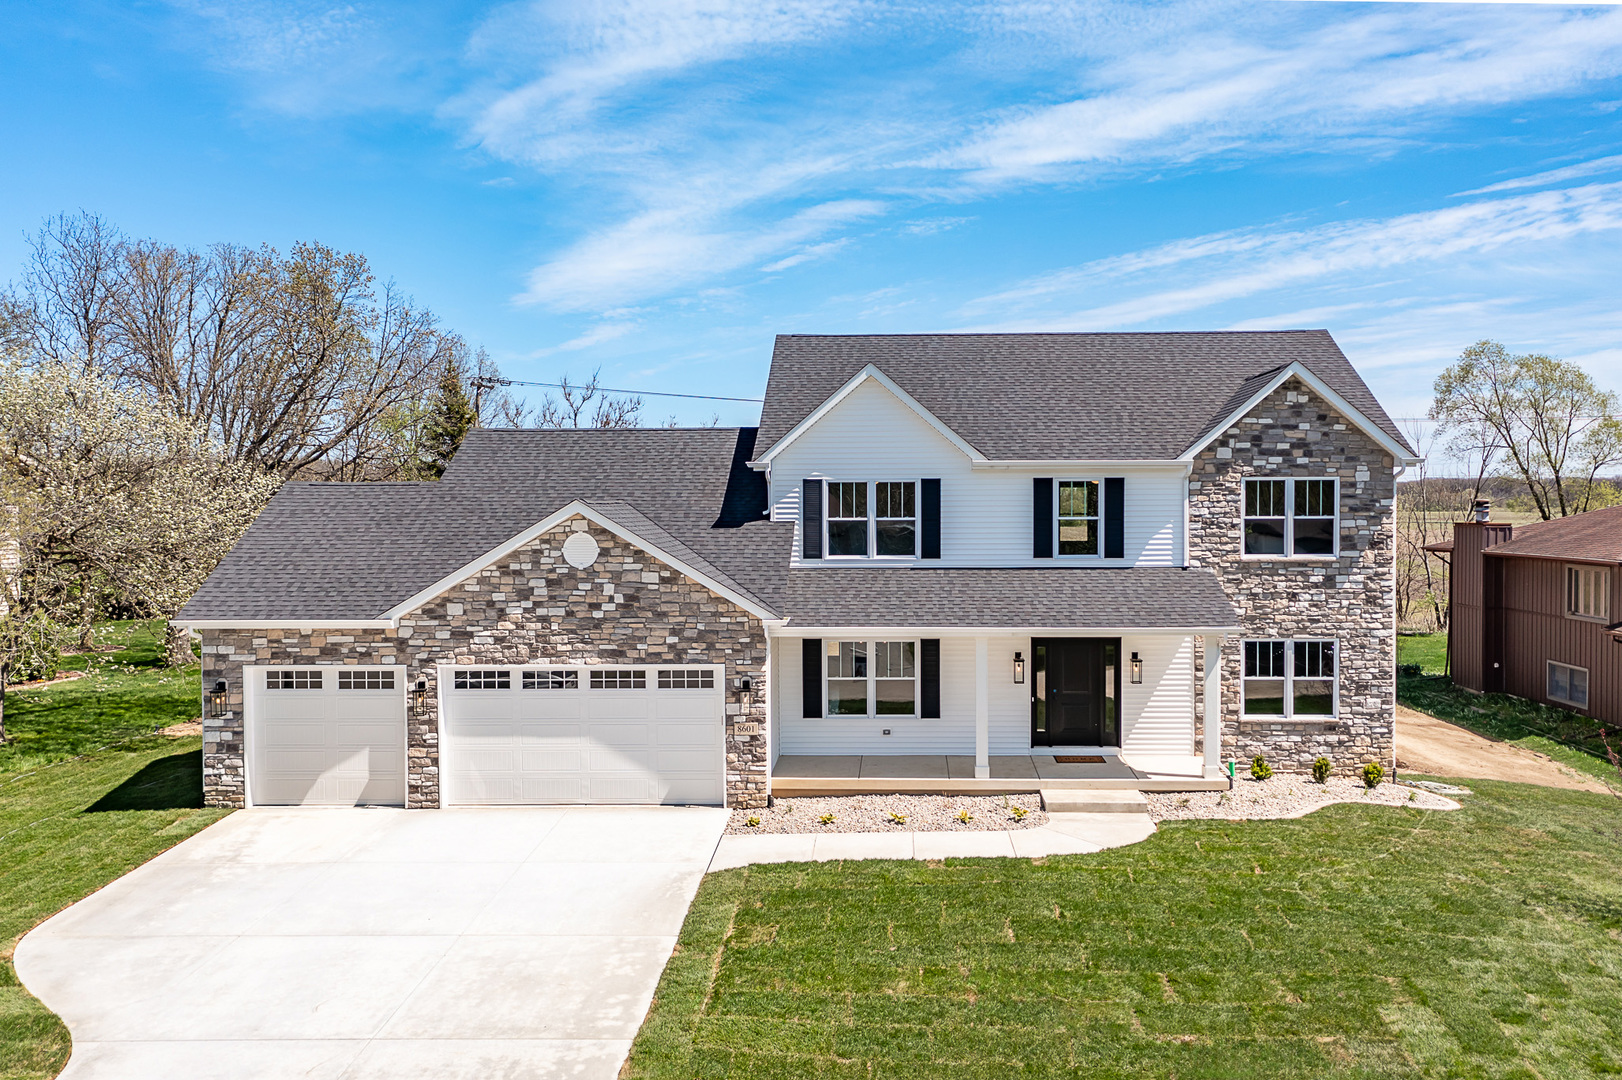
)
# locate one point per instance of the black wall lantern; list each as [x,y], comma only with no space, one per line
[419,694]
[1137,668]
[219,701]
[746,686]
[1019,668]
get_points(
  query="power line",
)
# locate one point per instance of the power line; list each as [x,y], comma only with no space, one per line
[488,382]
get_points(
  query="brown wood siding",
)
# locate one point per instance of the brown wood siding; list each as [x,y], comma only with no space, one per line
[1468,624]
[1535,630]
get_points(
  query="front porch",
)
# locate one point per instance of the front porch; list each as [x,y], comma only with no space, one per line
[1009,774]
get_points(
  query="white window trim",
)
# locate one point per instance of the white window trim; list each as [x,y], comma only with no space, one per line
[872,681]
[1289,523]
[1289,682]
[873,522]
[1548,669]
[1099,555]
[1604,593]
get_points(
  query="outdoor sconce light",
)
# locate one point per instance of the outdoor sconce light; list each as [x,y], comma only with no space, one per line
[1137,668]
[746,686]
[218,701]
[419,694]
[1019,668]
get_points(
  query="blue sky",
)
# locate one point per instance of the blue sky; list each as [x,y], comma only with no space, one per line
[657,188]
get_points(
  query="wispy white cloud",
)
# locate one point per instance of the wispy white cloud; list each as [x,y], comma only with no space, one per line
[1202,272]
[807,254]
[600,334]
[1612,163]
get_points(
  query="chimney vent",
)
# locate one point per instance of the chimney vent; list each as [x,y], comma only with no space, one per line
[1481,510]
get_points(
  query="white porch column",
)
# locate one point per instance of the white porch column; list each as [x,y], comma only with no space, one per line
[1213,705]
[982,709]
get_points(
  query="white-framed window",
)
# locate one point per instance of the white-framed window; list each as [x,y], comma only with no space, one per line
[687,679]
[871,678]
[555,679]
[1076,522]
[1290,677]
[481,679]
[1588,592]
[1567,684]
[364,679]
[296,679]
[1291,518]
[871,519]
[619,679]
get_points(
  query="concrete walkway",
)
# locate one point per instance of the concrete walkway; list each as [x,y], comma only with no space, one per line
[1064,834]
[373,944]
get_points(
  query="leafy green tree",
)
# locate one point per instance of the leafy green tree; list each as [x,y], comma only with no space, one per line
[1542,417]
[449,417]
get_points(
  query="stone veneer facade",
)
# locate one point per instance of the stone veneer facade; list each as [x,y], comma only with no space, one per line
[1352,598]
[530,607]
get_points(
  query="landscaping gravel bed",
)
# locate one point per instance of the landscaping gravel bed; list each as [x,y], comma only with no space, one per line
[1284,797]
[871,813]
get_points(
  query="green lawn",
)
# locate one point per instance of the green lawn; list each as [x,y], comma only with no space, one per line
[1355,942]
[1569,738]
[69,824]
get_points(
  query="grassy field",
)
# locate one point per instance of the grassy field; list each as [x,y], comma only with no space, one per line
[1567,737]
[74,817]
[1355,942]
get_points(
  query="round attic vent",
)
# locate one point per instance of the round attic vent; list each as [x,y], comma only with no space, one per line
[580,550]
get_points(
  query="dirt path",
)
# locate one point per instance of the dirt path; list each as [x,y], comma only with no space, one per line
[1428,745]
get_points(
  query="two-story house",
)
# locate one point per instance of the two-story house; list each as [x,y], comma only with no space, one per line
[942,562]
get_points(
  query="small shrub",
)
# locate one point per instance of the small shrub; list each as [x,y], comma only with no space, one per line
[1259,768]
[1410,671]
[1373,773]
[1019,813]
[964,816]
[826,819]
[1413,796]
[899,819]
[753,821]
[1321,768]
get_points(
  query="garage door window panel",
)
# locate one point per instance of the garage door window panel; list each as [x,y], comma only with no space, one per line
[350,679]
[687,679]
[619,679]
[560,679]
[293,680]
[482,679]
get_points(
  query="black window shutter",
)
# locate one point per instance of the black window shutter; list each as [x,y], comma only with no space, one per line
[811,676]
[929,509]
[1114,517]
[1042,518]
[811,521]
[929,678]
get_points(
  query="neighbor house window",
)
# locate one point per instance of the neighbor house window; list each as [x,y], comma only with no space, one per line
[1291,517]
[1568,685]
[1078,517]
[1289,678]
[1588,592]
[872,678]
[350,679]
[872,519]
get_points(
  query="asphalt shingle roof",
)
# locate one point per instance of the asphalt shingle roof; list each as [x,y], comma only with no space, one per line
[1595,536]
[1137,396]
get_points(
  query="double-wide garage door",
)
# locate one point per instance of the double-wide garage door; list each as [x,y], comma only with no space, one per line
[326,736]
[636,734]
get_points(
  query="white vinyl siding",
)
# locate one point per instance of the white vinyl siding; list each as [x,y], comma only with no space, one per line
[985,514]
[1158,714]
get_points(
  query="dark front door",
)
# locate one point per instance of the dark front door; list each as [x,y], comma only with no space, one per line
[1075,691]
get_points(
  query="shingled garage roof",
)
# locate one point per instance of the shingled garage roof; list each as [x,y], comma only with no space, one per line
[325,551]
[1021,397]
[1143,597]
[1592,537]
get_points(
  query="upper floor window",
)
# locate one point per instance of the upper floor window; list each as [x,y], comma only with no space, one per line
[868,519]
[1289,678]
[1078,517]
[1290,517]
[1588,592]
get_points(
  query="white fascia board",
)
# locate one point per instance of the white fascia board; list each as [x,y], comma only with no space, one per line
[1341,405]
[1080,465]
[305,625]
[862,376]
[547,524]
[791,631]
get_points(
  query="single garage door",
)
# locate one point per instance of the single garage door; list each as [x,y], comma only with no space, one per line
[326,736]
[644,734]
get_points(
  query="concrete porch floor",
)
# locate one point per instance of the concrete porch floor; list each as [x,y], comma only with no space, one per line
[951,774]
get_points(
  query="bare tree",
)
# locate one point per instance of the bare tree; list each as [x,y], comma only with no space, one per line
[1545,417]
[71,286]
[578,403]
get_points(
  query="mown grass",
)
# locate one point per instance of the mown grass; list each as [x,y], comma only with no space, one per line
[1355,942]
[86,795]
[1570,738]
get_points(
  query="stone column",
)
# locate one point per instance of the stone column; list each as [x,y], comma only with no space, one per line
[982,709]
[1213,705]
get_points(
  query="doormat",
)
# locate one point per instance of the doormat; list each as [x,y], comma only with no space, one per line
[1079,759]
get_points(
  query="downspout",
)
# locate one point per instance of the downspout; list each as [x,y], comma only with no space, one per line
[1395,476]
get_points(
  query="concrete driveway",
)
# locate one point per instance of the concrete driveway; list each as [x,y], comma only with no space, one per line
[489,944]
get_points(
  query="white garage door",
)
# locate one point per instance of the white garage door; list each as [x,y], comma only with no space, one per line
[326,736]
[644,734]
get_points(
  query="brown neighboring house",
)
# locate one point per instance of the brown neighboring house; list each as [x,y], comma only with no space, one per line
[1535,610]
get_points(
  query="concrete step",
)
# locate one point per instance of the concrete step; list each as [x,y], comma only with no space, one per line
[1071,801]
